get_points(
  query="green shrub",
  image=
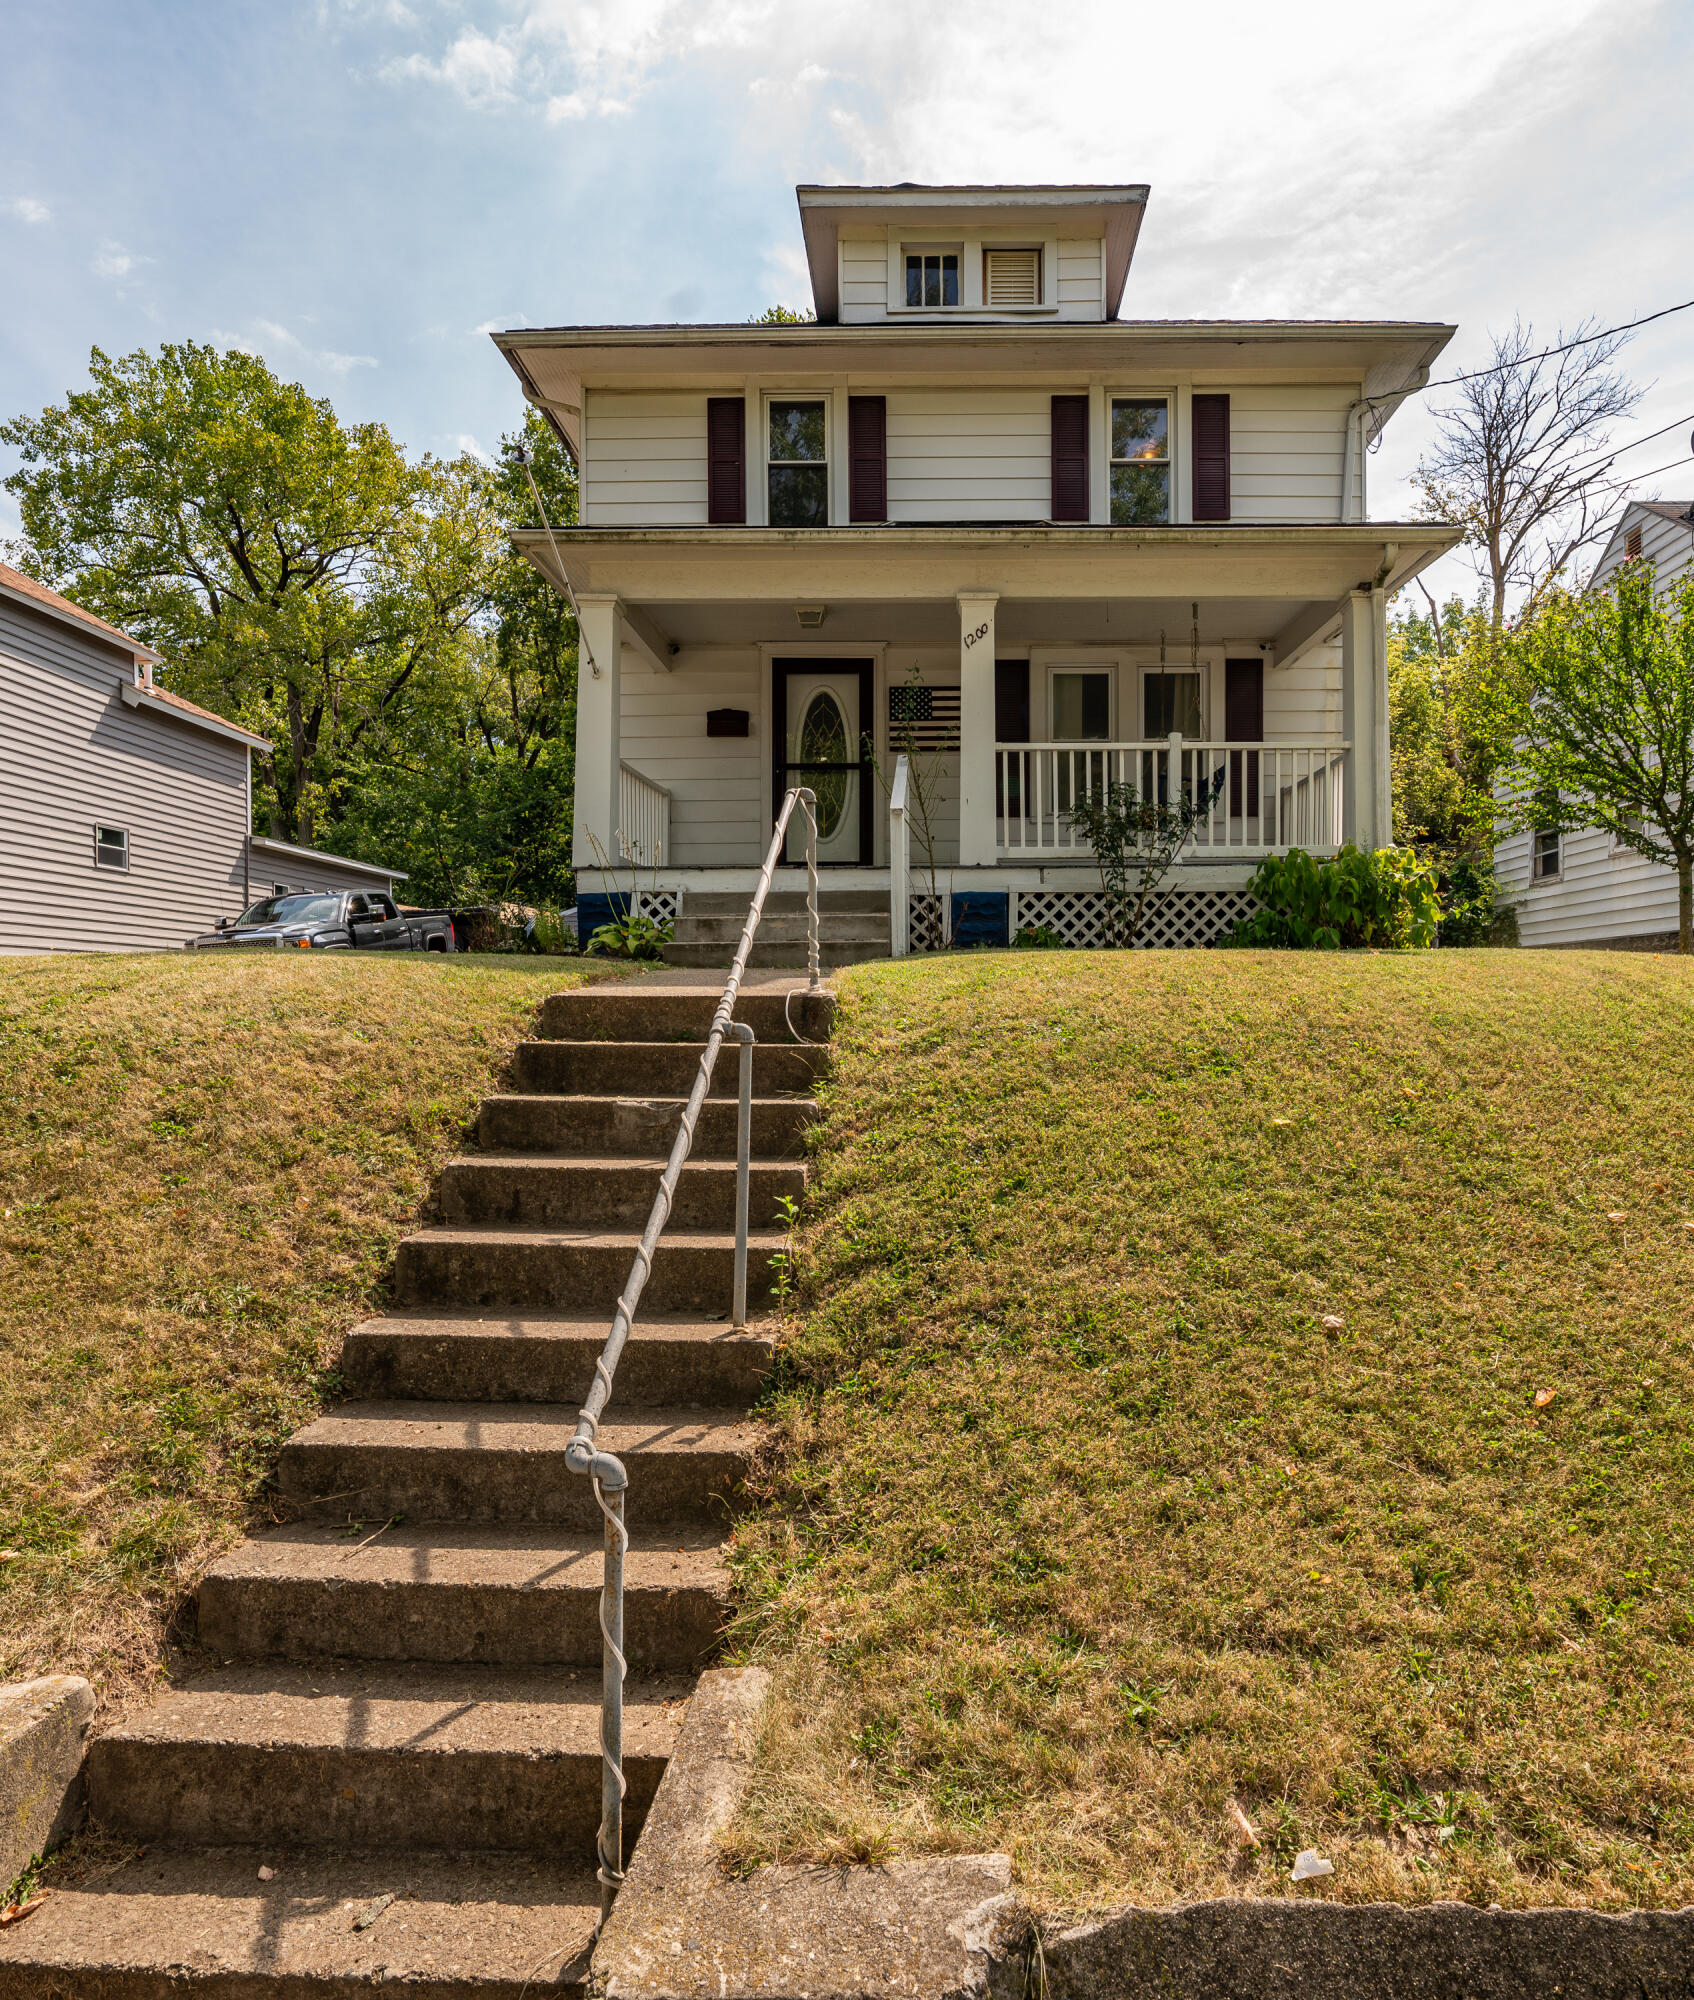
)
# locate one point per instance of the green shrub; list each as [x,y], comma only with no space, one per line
[1468,911]
[1037,937]
[1387,900]
[630,936]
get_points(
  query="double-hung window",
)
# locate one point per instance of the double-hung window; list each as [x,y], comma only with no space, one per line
[932,277]
[111,847]
[797,468]
[1141,461]
[1547,856]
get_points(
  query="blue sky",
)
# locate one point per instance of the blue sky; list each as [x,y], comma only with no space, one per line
[358,189]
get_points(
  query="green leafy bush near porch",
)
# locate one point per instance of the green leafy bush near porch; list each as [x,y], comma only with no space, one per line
[1219,1381]
[1387,900]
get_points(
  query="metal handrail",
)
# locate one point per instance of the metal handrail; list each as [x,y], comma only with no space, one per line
[583,1454]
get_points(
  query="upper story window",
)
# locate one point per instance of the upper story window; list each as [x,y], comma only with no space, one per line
[797,470]
[1011,278]
[1141,461]
[932,276]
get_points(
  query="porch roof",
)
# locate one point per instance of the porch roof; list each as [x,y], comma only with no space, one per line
[1281,585]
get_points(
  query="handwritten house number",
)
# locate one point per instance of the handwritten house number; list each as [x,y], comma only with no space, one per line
[974,638]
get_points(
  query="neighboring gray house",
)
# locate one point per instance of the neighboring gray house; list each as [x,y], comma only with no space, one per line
[124,810]
[1586,888]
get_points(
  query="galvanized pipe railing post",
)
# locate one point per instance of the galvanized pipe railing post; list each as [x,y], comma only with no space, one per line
[813,969]
[612,1667]
[743,1167]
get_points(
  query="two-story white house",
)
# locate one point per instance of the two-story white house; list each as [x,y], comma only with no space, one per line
[1586,887]
[973,509]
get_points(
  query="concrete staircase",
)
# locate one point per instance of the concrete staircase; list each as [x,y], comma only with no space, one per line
[853,924]
[411,1710]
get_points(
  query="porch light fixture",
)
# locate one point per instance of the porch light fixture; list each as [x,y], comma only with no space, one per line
[811,616]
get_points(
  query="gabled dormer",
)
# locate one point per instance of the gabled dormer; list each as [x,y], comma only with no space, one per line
[928,255]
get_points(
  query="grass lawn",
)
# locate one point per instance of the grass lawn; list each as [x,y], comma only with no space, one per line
[205,1163]
[1238,1383]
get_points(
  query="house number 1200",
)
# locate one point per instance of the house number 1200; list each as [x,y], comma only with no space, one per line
[972,638]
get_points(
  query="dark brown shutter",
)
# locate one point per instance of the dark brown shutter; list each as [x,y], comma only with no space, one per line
[1011,725]
[726,461]
[1211,458]
[1243,722]
[867,458]
[1070,459]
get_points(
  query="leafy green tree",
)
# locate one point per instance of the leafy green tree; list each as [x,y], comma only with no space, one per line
[783,316]
[296,573]
[1599,706]
[1443,730]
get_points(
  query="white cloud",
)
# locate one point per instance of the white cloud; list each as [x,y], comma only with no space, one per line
[269,339]
[27,209]
[500,323]
[462,441]
[112,260]
[477,68]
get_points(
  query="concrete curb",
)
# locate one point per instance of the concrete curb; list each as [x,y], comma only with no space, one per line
[43,1725]
[680,1931]
[1276,1950]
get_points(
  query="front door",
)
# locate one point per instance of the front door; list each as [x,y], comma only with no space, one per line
[822,712]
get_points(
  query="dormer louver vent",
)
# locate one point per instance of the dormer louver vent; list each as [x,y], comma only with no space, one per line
[1011,278]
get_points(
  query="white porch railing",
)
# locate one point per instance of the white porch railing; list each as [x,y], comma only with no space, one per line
[644,818]
[899,860]
[1272,795]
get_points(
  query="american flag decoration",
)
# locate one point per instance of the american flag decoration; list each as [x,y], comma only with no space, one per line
[923,719]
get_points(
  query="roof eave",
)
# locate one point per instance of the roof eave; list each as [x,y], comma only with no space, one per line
[151,704]
[96,628]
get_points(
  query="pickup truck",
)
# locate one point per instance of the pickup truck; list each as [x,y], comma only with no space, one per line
[331,920]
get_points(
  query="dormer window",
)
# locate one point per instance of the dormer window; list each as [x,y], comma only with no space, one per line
[932,277]
[1010,279]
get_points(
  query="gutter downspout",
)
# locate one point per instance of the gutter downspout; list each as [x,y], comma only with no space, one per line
[1352,427]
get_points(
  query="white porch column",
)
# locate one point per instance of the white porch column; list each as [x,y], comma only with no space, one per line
[1368,810]
[976,728]
[598,726]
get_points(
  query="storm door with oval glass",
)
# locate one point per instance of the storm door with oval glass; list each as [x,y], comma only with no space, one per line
[822,708]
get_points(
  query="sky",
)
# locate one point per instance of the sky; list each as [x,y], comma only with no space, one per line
[360,189]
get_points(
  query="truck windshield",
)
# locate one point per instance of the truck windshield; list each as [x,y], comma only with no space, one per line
[295,910]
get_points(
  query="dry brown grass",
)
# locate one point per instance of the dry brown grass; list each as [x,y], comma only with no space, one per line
[205,1163]
[1088,1528]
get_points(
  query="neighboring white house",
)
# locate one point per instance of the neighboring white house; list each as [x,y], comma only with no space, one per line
[1586,888]
[124,810]
[1065,544]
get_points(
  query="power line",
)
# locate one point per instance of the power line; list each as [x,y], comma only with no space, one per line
[1522,360]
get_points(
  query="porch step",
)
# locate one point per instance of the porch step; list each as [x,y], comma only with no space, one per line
[666,1069]
[867,927]
[769,956]
[669,1362]
[192,1920]
[530,1191]
[635,1010]
[782,903]
[481,1462]
[641,1128]
[579,1269]
[417,1756]
[490,1595]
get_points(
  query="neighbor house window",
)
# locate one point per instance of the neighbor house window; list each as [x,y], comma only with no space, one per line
[798,469]
[1141,461]
[111,847]
[1548,856]
[1632,545]
[932,277]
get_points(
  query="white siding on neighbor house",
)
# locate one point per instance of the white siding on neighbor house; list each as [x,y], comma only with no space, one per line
[715,782]
[864,277]
[271,872]
[644,458]
[1598,895]
[1285,447]
[1667,545]
[969,454]
[72,756]
[1081,293]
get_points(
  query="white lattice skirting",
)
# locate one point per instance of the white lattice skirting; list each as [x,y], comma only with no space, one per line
[658,906]
[1181,919]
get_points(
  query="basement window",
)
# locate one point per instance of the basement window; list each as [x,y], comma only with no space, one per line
[111,847]
[798,464]
[932,276]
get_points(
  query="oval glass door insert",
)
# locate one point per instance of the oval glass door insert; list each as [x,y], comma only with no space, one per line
[823,740]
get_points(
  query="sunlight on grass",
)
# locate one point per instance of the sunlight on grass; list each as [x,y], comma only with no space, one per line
[1164,1429]
[205,1164]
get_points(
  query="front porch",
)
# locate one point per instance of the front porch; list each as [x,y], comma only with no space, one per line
[1245,664]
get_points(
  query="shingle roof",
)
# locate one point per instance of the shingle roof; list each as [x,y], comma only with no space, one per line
[1668,510]
[15,581]
[193,710]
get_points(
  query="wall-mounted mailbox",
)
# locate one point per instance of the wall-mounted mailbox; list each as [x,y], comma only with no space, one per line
[728,722]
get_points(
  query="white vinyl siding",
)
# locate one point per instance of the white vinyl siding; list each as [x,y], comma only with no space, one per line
[715,782]
[1285,452]
[864,277]
[1599,894]
[1667,545]
[1081,293]
[969,455]
[73,757]
[644,459]
[1303,702]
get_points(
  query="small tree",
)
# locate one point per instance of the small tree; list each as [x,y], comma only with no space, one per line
[1136,841]
[1601,688]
